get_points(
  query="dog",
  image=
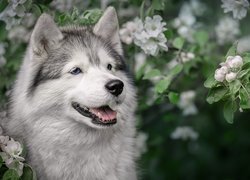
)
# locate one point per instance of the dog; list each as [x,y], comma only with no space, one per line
[73,102]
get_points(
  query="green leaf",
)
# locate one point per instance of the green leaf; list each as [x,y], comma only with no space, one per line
[178,42]
[158,5]
[152,73]
[232,50]
[28,4]
[168,34]
[173,97]
[175,70]
[246,58]
[246,66]
[3,4]
[228,111]
[3,31]
[242,73]
[244,99]
[216,94]
[142,10]
[36,10]
[201,37]
[162,85]
[10,174]
[1,161]
[210,82]
[234,87]
[28,173]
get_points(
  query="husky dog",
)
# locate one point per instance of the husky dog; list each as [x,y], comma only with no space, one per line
[73,103]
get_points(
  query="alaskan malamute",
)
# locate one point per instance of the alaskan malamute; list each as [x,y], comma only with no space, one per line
[73,103]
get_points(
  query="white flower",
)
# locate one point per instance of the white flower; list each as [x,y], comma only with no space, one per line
[3,140]
[229,69]
[126,32]
[14,149]
[184,133]
[243,44]
[235,62]
[16,165]
[185,57]
[140,143]
[224,70]
[227,30]
[129,29]
[13,13]
[149,36]
[11,154]
[186,103]
[154,27]
[219,75]
[238,7]
[185,22]
[231,76]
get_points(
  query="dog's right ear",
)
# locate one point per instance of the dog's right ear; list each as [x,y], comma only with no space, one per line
[45,35]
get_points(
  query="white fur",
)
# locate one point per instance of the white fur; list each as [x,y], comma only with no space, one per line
[62,144]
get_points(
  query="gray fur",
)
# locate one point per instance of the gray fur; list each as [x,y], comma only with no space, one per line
[62,144]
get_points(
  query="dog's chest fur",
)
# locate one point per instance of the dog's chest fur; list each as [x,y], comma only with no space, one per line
[74,154]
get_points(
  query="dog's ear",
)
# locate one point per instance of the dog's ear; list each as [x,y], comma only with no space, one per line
[45,35]
[108,28]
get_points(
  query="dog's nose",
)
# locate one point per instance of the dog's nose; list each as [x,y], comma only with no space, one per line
[115,87]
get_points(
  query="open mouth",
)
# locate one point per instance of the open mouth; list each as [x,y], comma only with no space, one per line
[103,115]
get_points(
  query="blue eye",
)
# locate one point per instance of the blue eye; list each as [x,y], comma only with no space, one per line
[75,71]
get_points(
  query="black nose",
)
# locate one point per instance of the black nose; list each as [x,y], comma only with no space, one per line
[115,87]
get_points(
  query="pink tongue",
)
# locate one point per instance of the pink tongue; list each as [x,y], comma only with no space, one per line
[104,113]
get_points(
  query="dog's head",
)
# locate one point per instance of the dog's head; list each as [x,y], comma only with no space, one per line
[80,71]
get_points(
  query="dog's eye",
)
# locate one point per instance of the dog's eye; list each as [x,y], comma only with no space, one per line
[109,67]
[75,71]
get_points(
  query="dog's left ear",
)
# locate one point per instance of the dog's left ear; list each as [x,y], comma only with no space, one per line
[108,28]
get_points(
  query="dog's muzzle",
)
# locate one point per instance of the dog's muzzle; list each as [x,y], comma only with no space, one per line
[103,115]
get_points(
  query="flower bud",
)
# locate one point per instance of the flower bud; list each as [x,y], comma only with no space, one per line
[236,62]
[224,70]
[231,76]
[219,75]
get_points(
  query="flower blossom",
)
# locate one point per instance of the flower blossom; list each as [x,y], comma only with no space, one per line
[184,133]
[186,103]
[11,153]
[185,57]
[244,44]
[238,7]
[227,30]
[186,23]
[13,13]
[148,35]
[229,69]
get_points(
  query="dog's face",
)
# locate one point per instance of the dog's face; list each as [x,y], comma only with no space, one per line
[80,72]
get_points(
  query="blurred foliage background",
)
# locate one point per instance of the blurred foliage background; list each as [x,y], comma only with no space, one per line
[209,147]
